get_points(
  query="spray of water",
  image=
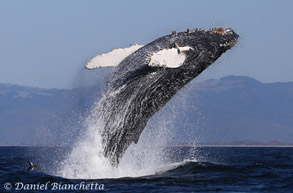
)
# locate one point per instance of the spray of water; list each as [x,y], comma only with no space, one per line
[147,157]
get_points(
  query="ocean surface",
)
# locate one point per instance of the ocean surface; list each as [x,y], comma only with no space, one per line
[209,169]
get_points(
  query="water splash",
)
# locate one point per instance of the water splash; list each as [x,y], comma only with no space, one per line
[87,161]
[148,157]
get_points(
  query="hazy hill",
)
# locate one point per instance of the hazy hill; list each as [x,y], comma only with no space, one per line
[230,109]
[42,116]
[241,108]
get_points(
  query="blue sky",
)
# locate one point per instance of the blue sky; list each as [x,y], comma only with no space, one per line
[46,43]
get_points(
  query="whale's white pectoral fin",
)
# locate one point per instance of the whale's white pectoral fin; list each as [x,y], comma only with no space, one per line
[170,58]
[112,58]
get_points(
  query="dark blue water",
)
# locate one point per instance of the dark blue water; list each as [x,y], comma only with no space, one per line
[219,170]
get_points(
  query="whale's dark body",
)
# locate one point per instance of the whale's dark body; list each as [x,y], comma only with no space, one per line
[136,90]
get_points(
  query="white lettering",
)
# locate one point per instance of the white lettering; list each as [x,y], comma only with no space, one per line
[18,186]
[54,186]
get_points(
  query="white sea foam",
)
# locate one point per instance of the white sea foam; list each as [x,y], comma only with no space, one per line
[87,161]
[147,157]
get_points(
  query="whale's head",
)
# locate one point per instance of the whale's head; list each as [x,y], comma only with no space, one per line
[218,38]
[195,49]
[210,43]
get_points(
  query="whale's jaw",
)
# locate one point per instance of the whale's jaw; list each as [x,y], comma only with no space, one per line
[139,88]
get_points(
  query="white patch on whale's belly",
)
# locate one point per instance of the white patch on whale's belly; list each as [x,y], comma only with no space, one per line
[169,58]
[112,58]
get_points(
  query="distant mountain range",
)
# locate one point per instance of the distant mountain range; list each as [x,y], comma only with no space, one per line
[231,109]
[241,108]
[35,116]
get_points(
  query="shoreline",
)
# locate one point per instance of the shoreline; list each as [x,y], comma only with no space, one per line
[229,145]
[207,145]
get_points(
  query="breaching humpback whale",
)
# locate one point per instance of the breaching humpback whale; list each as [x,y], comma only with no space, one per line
[146,77]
